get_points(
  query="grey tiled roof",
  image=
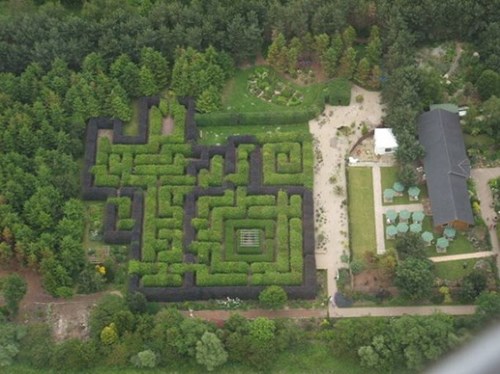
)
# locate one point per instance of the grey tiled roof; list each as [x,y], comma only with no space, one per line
[446,166]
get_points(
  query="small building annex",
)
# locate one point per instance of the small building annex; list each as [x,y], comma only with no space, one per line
[385,141]
[446,168]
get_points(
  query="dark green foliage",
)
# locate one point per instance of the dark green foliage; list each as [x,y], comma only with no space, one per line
[414,278]
[410,245]
[472,285]
[13,288]
[488,84]
[36,346]
[105,313]
[73,354]
[90,280]
[273,297]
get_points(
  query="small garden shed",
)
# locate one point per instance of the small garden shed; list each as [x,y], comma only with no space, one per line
[385,141]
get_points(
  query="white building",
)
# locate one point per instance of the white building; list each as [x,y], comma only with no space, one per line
[385,141]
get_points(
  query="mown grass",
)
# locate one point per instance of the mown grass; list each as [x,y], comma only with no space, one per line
[454,270]
[218,134]
[237,98]
[361,211]
[388,176]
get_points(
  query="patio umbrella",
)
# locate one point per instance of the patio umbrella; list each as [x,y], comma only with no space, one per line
[442,243]
[391,215]
[450,232]
[415,227]
[402,228]
[389,193]
[414,191]
[398,187]
[418,216]
[427,236]
[404,215]
[391,231]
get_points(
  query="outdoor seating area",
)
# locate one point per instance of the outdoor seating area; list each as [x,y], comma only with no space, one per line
[399,223]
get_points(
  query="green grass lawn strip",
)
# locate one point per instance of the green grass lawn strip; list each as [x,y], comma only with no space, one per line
[361,213]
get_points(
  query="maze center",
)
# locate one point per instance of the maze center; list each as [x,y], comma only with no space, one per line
[204,221]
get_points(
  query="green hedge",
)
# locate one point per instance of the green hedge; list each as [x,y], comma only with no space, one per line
[204,278]
[338,92]
[161,280]
[257,118]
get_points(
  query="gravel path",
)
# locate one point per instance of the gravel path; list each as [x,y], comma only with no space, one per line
[331,150]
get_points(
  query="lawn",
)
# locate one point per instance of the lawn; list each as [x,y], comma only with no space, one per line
[237,98]
[454,270]
[94,214]
[389,175]
[361,214]
[218,134]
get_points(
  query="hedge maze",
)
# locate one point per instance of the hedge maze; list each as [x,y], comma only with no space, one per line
[204,221]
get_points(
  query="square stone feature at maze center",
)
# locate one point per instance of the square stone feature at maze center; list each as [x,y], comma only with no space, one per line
[250,241]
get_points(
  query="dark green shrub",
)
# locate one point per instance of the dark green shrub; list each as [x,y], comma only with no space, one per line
[273,297]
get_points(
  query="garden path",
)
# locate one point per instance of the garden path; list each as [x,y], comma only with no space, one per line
[481,178]
[331,151]
[463,256]
[222,315]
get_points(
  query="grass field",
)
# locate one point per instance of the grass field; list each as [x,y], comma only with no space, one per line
[389,175]
[307,358]
[454,270]
[218,134]
[237,98]
[361,214]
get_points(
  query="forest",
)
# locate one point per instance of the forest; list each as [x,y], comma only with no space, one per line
[64,62]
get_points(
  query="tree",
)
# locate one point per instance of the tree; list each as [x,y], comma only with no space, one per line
[349,36]
[472,285]
[417,339]
[105,313]
[321,44]
[273,297]
[262,338]
[74,355]
[210,352]
[9,342]
[488,307]
[157,64]
[209,100]
[410,245]
[144,359]
[109,334]
[277,53]
[147,84]
[348,63]
[36,346]
[407,175]
[414,278]
[136,302]
[374,47]
[14,288]
[331,59]
[363,71]
[488,84]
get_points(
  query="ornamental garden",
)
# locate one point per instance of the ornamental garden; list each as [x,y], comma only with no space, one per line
[204,221]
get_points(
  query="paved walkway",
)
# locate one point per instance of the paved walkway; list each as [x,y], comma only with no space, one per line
[463,256]
[402,310]
[223,315]
[481,178]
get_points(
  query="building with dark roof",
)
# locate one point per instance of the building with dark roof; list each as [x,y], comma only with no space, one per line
[446,167]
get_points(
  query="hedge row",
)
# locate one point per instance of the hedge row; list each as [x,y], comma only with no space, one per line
[257,118]
[205,278]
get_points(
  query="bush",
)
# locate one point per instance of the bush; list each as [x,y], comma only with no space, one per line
[144,359]
[273,297]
